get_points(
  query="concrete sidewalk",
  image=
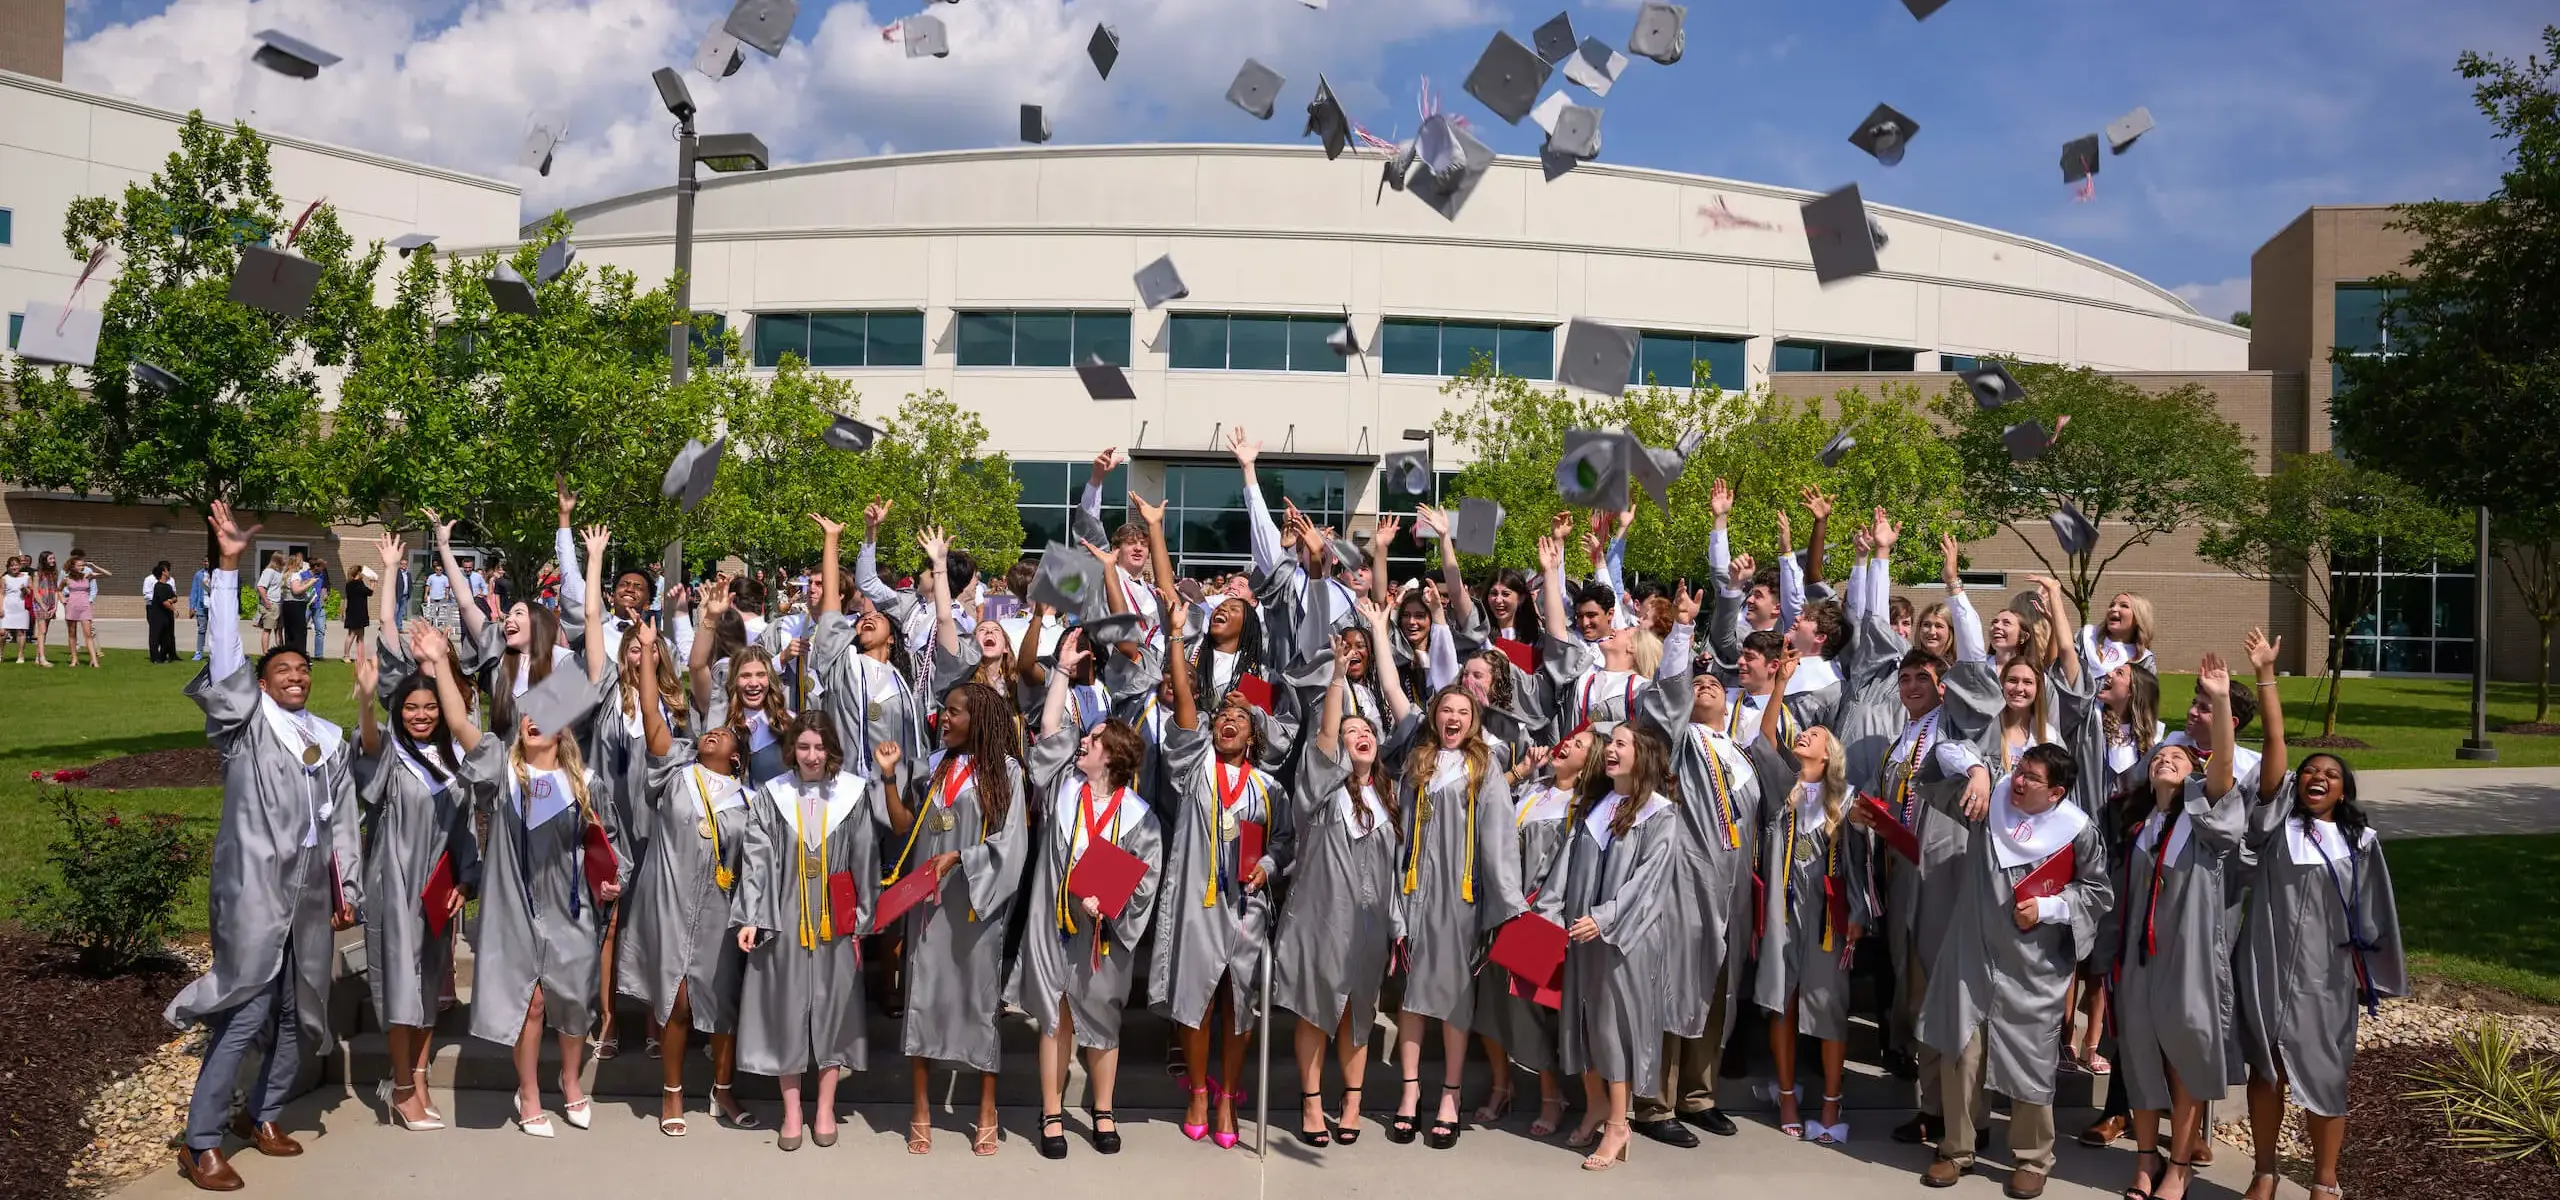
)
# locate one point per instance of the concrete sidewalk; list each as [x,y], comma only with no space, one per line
[2445,801]
[351,1154]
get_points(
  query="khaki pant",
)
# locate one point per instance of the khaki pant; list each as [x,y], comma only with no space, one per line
[1960,1081]
[1688,1082]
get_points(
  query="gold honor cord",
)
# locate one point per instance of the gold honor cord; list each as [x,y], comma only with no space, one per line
[721,876]
[1724,797]
[824,923]
[1422,816]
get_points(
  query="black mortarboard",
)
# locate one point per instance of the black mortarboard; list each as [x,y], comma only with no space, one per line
[285,54]
[1835,229]
[1992,386]
[1035,124]
[555,259]
[2080,158]
[510,292]
[155,377]
[1884,134]
[845,433]
[1507,77]
[1920,9]
[2027,440]
[1104,49]
[1102,381]
[1554,40]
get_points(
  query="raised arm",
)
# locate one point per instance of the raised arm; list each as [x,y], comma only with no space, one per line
[474,617]
[368,706]
[653,718]
[1968,624]
[2067,653]
[1388,528]
[2272,766]
[1383,661]
[1790,575]
[222,642]
[1551,588]
[1329,722]
[1177,668]
[1453,579]
[427,645]
[1820,504]
[830,571]
[1886,533]
[1053,705]
[937,587]
[386,599]
[1090,500]
[574,588]
[715,601]
[1268,554]
[866,563]
[2213,679]
[1719,540]
[599,539]
[1772,712]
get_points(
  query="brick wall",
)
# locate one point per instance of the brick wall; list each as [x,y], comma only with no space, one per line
[31,36]
[129,538]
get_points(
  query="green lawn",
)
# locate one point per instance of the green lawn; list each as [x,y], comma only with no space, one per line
[2482,910]
[69,718]
[2410,722]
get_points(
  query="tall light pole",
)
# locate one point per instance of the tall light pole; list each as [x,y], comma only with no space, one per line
[723,152]
[2476,748]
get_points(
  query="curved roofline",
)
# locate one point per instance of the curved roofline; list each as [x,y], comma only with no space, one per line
[1250,149]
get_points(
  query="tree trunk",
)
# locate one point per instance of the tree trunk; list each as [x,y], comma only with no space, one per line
[2542,679]
[2329,719]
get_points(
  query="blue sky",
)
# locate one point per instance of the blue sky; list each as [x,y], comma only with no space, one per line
[2265,107]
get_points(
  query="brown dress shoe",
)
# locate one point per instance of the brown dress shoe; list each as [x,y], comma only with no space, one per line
[2025,1184]
[1944,1173]
[208,1169]
[2103,1133]
[270,1141]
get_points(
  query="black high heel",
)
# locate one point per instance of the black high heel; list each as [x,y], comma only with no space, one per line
[1348,1132]
[1400,1130]
[1321,1137]
[1053,1145]
[1444,1134]
[1105,1141]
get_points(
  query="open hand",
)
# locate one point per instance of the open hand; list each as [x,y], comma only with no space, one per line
[2262,652]
[872,515]
[1245,448]
[1720,500]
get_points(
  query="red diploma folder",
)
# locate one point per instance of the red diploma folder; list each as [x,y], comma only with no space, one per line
[596,851]
[1250,837]
[844,904]
[1108,875]
[2049,877]
[438,897]
[910,890]
[1531,947]
[1521,654]
[1256,689]
[1890,828]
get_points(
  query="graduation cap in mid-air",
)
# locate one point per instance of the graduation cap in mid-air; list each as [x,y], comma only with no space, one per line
[925,36]
[2080,158]
[539,143]
[510,292]
[1346,553]
[2122,132]
[1884,134]
[1920,9]
[555,259]
[1507,77]
[1595,65]
[689,476]
[273,281]
[2028,440]
[763,24]
[845,433]
[1657,469]
[718,56]
[558,703]
[1408,471]
[1992,386]
[1104,633]
[1592,473]
[1104,49]
[1554,41]
[1837,232]
[1837,448]
[1479,520]
[410,243]
[1159,283]
[1326,119]
[155,377]
[1452,162]
[1658,33]
[286,54]
[1067,580]
[2074,531]
[1102,381]
[1255,89]
[1597,356]
[1035,124]
[56,333]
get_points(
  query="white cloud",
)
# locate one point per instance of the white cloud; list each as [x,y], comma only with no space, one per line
[457,83]
[2216,300]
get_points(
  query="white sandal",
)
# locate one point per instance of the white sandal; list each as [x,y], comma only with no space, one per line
[673,1126]
[581,1114]
[428,1098]
[745,1118]
[537,1125]
[386,1091]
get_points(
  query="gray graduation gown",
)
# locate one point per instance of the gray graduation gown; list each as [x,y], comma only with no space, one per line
[267,888]
[804,1008]
[1989,977]
[538,918]
[1342,918]
[870,701]
[1525,1028]
[1093,966]
[1711,882]
[2171,1004]
[1612,1015]
[954,964]
[2315,935]
[1918,909]
[1869,714]
[409,824]
[1200,944]
[1463,868]
[1794,963]
[677,930]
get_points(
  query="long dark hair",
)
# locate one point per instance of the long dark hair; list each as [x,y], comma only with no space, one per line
[1248,651]
[444,763]
[818,722]
[990,745]
[1526,623]
[1653,776]
[2347,813]
[776,714]
[541,633]
[1379,778]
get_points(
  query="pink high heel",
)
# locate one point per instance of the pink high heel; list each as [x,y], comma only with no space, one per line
[1225,1141]
[1189,1130]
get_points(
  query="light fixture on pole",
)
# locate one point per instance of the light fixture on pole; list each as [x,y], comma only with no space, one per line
[723,152]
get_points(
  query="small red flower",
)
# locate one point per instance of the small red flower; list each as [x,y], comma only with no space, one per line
[62,776]
[35,777]
[113,821]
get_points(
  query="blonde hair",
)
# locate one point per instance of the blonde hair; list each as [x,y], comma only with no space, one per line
[1423,758]
[1647,651]
[671,691]
[2037,712]
[2139,607]
[1835,785]
[572,764]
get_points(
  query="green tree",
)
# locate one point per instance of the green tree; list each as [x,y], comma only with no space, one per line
[931,462]
[2529,543]
[1765,446]
[2241,318]
[2134,463]
[2316,508]
[2467,404]
[778,467]
[241,425]
[458,407]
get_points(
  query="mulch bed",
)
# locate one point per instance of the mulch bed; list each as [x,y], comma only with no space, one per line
[2338,741]
[2541,729]
[194,766]
[2394,1147]
[63,1035]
